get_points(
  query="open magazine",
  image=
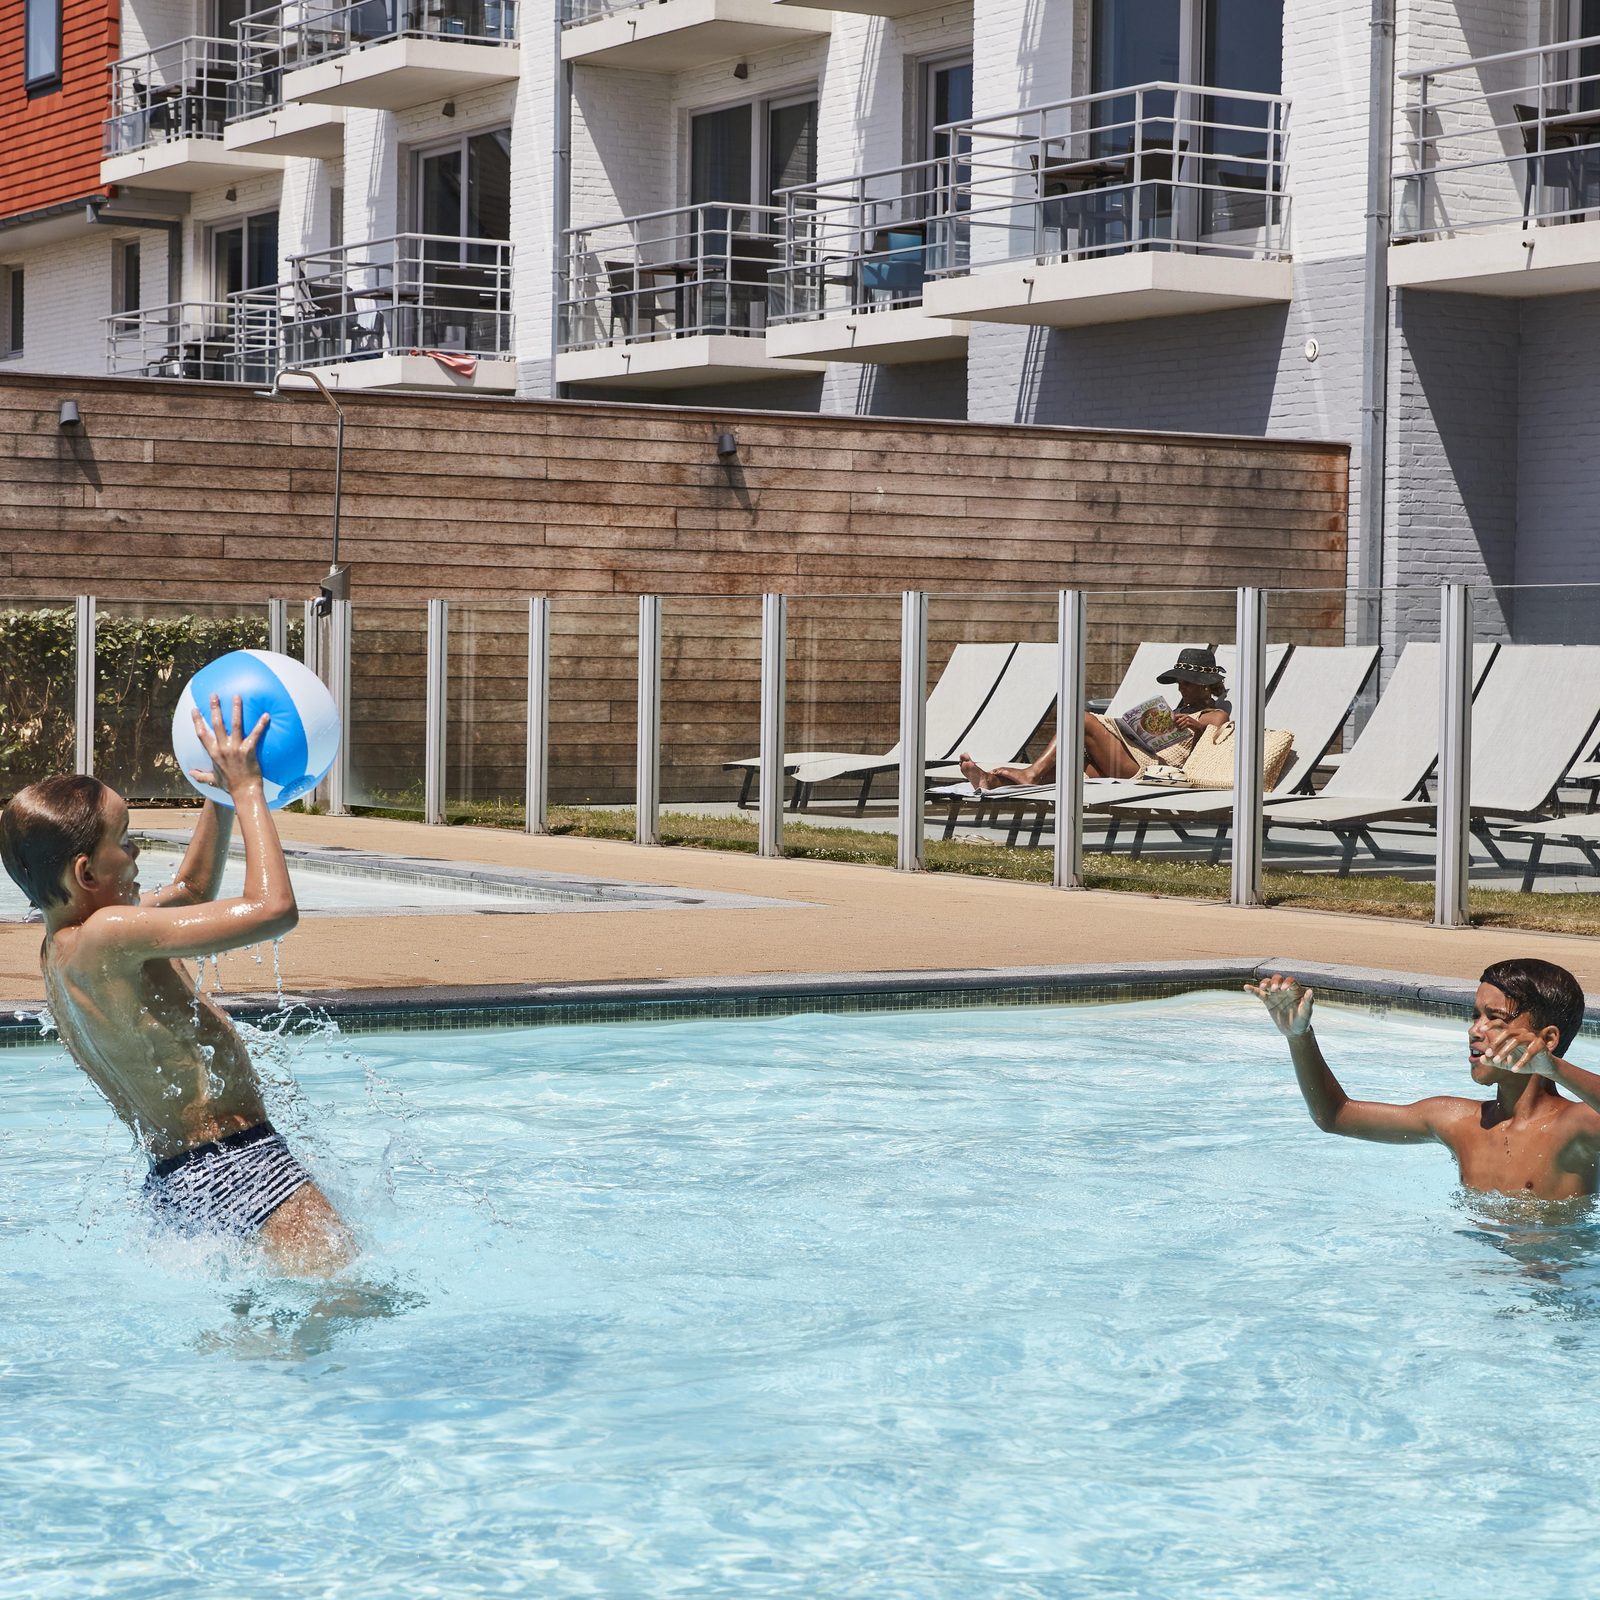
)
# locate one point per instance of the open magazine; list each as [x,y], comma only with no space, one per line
[1150,726]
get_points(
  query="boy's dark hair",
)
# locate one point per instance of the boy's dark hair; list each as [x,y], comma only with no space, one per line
[1548,993]
[45,829]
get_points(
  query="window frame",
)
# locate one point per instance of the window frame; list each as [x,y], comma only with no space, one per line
[418,153]
[13,288]
[240,223]
[121,252]
[927,68]
[45,82]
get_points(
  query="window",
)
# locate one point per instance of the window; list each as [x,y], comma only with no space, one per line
[335,217]
[41,50]
[742,155]
[10,311]
[125,275]
[244,255]
[946,97]
[463,190]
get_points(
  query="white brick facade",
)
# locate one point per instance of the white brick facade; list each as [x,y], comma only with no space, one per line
[1483,481]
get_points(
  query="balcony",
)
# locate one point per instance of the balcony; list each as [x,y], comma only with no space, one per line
[873,8]
[854,261]
[169,107]
[670,299]
[677,35]
[259,119]
[1498,182]
[391,55]
[217,341]
[416,311]
[1157,200]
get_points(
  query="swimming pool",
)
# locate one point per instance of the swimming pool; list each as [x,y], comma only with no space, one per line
[357,883]
[1064,1301]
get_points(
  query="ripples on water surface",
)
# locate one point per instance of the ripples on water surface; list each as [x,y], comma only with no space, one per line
[1068,1302]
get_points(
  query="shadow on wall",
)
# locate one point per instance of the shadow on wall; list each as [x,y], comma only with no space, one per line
[1458,402]
[1207,374]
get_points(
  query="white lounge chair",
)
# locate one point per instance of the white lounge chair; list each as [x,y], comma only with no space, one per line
[1020,703]
[970,677]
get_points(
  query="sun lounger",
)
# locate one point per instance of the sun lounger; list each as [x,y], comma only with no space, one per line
[1020,703]
[1582,832]
[970,677]
[1534,713]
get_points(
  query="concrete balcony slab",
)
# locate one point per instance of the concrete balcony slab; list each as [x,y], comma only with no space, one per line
[678,363]
[186,165]
[887,337]
[396,370]
[1513,262]
[397,74]
[871,8]
[295,129]
[1119,288]
[676,35]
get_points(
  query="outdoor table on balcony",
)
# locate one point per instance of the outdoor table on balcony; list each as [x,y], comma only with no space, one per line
[1063,182]
[1582,129]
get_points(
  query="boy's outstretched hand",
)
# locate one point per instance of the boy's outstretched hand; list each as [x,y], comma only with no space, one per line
[1288,1004]
[233,751]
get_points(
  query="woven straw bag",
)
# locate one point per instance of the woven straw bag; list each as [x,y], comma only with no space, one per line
[1210,763]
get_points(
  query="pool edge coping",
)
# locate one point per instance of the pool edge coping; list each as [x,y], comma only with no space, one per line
[460,1006]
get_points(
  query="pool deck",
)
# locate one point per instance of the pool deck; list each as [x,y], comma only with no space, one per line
[840,919]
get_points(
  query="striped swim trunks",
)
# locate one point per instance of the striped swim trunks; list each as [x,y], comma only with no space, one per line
[229,1185]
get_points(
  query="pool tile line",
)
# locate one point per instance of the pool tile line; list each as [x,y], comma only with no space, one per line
[455,1008]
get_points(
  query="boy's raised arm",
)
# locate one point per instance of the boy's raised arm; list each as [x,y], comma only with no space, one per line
[266,909]
[199,874]
[1509,1049]
[1289,1005]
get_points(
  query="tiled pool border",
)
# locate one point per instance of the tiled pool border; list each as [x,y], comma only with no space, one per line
[424,1010]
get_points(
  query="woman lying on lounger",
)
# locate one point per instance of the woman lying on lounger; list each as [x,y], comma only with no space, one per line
[1110,750]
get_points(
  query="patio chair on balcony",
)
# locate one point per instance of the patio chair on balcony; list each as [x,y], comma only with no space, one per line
[752,257]
[892,272]
[1556,158]
[1079,201]
[636,305]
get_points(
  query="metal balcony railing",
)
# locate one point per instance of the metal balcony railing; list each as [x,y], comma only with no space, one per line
[1154,166]
[264,56]
[669,274]
[176,91]
[575,11]
[862,243]
[414,292]
[319,30]
[1502,139]
[225,341]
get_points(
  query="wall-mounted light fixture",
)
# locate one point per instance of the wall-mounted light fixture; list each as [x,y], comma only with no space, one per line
[727,445]
[230,194]
[448,109]
[68,416]
[741,70]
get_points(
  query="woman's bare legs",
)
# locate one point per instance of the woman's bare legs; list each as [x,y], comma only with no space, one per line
[1104,756]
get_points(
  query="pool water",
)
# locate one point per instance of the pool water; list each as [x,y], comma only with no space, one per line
[320,888]
[1050,1302]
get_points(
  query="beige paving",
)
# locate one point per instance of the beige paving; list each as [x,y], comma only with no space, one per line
[840,919]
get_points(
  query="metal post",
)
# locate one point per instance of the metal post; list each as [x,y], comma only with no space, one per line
[435,712]
[338,681]
[537,797]
[1249,726]
[910,854]
[1071,648]
[278,626]
[774,650]
[1455,756]
[83,685]
[311,651]
[647,796]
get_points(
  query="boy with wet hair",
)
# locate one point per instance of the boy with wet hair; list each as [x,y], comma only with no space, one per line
[1529,1138]
[166,1057]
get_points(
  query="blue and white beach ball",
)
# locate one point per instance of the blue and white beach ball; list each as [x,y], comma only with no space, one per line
[301,740]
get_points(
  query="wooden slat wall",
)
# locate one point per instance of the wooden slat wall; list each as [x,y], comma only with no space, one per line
[205,492]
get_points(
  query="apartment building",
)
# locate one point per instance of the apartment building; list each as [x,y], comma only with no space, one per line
[1121,213]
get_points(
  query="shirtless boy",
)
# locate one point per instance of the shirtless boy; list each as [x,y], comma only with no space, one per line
[1529,1138]
[169,1061]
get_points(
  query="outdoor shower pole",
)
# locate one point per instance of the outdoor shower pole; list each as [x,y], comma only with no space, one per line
[1453,870]
[774,650]
[1071,661]
[1249,735]
[83,685]
[647,787]
[910,854]
[536,798]
[435,708]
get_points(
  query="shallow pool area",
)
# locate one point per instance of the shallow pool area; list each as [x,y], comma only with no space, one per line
[360,883]
[1053,1301]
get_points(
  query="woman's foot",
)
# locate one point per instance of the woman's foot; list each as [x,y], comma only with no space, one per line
[984,779]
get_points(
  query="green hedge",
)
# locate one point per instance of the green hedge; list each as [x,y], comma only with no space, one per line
[141,666]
